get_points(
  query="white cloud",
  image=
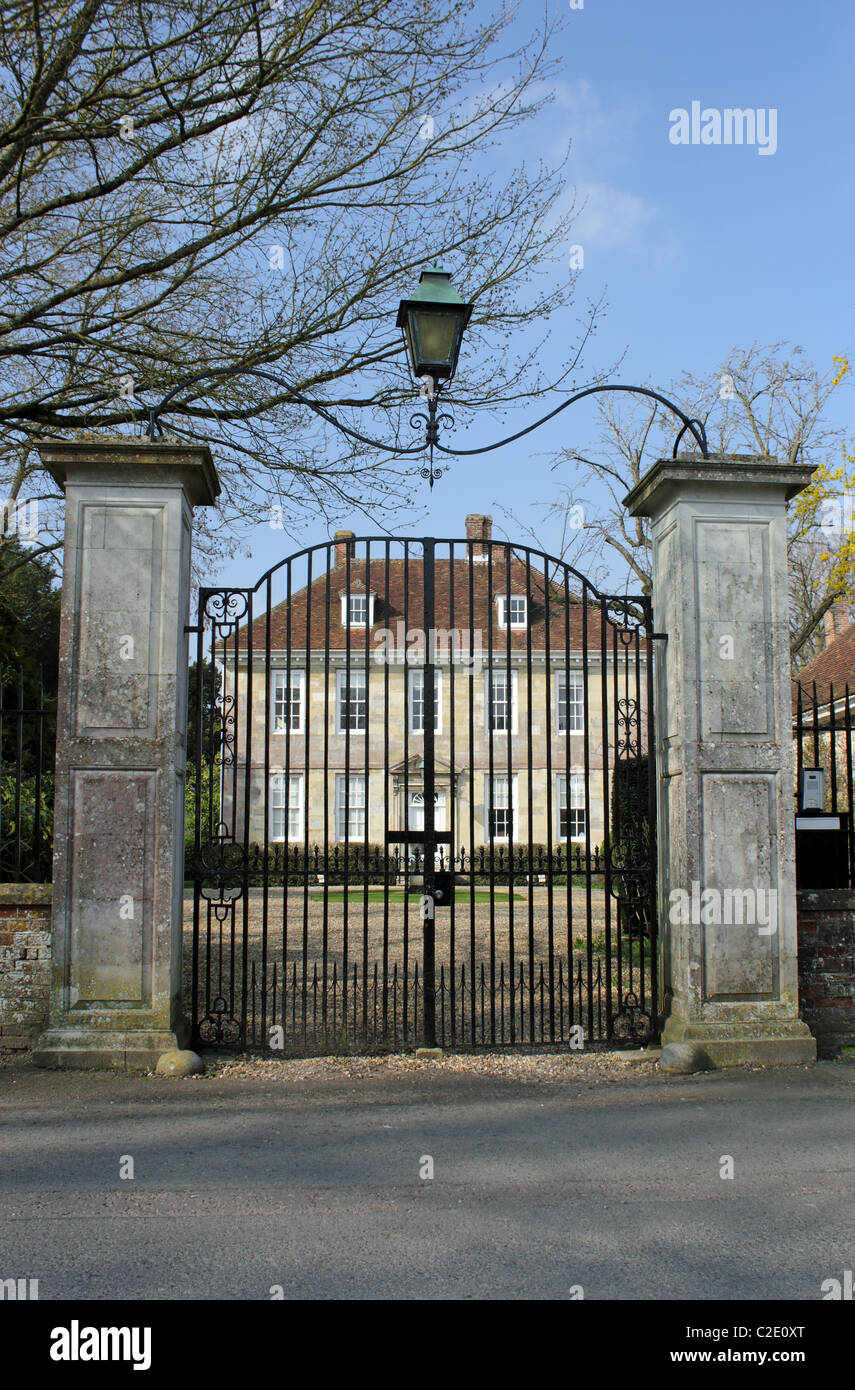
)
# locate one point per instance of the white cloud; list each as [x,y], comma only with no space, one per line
[594,130]
[602,137]
[610,217]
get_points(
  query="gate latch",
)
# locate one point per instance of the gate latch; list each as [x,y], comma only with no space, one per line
[443,888]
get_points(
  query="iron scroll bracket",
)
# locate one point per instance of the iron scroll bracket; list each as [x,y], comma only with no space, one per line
[431,421]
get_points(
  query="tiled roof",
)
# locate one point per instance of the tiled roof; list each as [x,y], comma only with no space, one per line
[399,594]
[832,669]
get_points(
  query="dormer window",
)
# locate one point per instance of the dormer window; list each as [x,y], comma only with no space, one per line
[517,606]
[357,610]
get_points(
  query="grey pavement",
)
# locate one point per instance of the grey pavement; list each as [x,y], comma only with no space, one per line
[241,1185]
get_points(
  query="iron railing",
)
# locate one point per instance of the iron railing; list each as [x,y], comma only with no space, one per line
[27,750]
[474,1008]
[823,728]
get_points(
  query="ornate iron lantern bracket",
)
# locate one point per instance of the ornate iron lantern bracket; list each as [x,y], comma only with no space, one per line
[433,420]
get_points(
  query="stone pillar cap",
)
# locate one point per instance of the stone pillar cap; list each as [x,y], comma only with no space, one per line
[746,470]
[191,464]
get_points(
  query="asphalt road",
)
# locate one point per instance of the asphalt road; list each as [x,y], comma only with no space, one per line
[240,1185]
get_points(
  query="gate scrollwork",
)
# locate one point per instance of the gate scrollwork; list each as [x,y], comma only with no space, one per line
[220,869]
[224,608]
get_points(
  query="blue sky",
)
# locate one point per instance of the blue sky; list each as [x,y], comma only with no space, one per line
[700,248]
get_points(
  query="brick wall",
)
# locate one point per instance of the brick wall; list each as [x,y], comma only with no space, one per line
[25,925]
[826,924]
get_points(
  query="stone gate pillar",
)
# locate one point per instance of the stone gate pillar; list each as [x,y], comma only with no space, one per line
[724,748]
[119,801]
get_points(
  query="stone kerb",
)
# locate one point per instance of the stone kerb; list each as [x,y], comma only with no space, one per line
[121,736]
[724,751]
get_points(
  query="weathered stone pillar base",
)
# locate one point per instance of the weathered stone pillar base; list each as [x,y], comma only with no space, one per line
[81,1048]
[737,1042]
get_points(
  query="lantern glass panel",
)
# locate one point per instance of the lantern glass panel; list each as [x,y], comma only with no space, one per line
[436,337]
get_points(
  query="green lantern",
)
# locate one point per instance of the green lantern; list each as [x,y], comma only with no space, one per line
[433,322]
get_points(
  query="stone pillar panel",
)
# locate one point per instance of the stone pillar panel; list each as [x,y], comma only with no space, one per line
[119,612]
[733,590]
[121,750]
[739,852]
[111,881]
[724,753]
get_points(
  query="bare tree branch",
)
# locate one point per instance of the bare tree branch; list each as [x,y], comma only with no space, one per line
[203,183]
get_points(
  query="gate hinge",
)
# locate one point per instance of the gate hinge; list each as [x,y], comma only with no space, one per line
[659,636]
[197,628]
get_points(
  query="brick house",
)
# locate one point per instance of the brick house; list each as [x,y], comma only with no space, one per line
[337,701]
[834,668]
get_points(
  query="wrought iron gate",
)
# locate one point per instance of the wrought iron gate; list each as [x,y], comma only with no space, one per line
[424,803]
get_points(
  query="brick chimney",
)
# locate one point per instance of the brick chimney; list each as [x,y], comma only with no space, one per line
[479,528]
[836,620]
[343,542]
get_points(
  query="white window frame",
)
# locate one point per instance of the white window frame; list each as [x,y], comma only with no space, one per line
[489,675]
[412,674]
[520,624]
[340,807]
[340,685]
[488,806]
[440,802]
[578,706]
[278,679]
[576,789]
[291,806]
[346,621]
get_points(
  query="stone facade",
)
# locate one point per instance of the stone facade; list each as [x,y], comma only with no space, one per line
[25,956]
[468,787]
[827,967]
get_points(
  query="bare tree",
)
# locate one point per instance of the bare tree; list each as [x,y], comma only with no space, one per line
[201,184]
[764,400]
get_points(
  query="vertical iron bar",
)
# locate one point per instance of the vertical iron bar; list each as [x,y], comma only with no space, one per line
[530,785]
[451,815]
[265,804]
[289,735]
[512,714]
[490,794]
[348,707]
[652,895]
[568,839]
[607,841]
[429,706]
[550,791]
[198,798]
[405,815]
[387,618]
[326,774]
[473,983]
[587,765]
[366,842]
[247,790]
